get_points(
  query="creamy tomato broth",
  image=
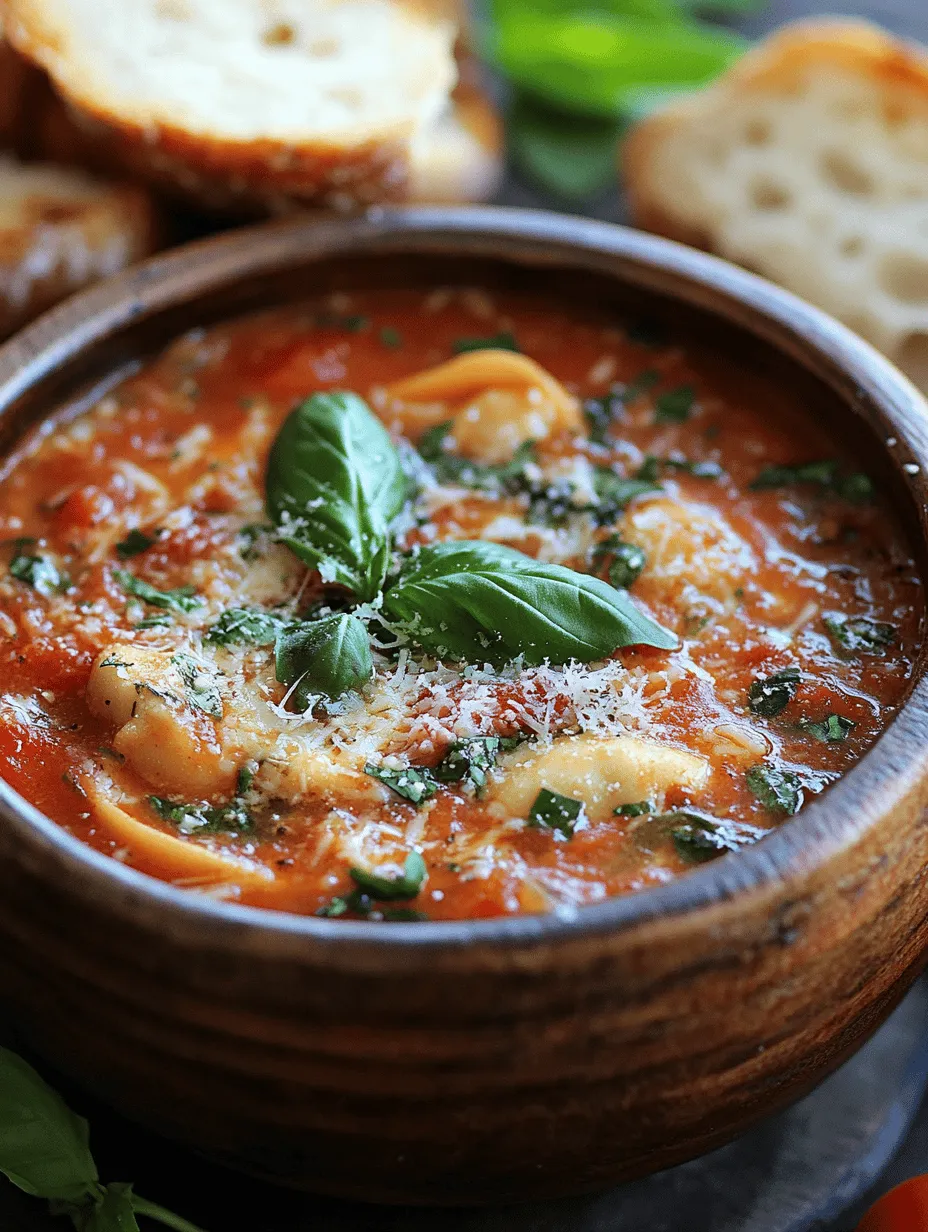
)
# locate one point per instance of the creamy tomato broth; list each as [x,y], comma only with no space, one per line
[283,684]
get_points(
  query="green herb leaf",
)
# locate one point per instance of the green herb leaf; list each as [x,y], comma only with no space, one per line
[772,694]
[41,573]
[571,157]
[504,341]
[410,782]
[407,885]
[615,492]
[182,599]
[135,542]
[469,760]
[698,837]
[480,601]
[334,483]
[859,634]
[201,687]
[639,809]
[856,488]
[833,730]
[391,338]
[241,626]
[43,1145]
[675,406]
[203,818]
[113,1212]
[626,560]
[778,790]
[552,811]
[328,656]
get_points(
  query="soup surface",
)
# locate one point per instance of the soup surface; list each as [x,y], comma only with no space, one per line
[282,683]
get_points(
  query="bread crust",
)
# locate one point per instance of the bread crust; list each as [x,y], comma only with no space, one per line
[244,177]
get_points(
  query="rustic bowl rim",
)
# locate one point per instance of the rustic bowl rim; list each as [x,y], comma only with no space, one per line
[882,778]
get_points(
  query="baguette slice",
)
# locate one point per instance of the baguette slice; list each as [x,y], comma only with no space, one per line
[807,162]
[60,230]
[250,104]
[459,157]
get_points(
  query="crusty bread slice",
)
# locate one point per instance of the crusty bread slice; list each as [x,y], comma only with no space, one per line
[60,230]
[244,101]
[459,157]
[807,162]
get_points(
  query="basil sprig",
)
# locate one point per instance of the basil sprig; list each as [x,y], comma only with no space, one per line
[45,1151]
[328,656]
[334,483]
[483,602]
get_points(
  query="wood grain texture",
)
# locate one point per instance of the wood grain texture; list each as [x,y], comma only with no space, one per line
[496,1060]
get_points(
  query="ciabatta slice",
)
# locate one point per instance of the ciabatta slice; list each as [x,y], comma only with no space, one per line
[61,230]
[245,100]
[807,162]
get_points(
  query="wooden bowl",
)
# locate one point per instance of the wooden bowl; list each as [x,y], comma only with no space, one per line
[469,1062]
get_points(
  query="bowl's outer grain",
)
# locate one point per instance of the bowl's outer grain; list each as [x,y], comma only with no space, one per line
[476,1061]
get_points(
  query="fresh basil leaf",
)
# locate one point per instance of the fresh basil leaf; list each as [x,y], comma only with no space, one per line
[245,626]
[552,811]
[328,656]
[503,341]
[41,573]
[638,809]
[772,694]
[698,837]
[469,760]
[778,790]
[571,157]
[135,542]
[859,634]
[833,730]
[410,782]
[113,1212]
[182,599]
[232,818]
[626,560]
[334,483]
[856,488]
[201,687]
[480,601]
[593,61]
[407,885]
[675,406]
[43,1145]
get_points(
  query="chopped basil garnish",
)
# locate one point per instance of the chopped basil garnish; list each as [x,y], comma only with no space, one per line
[832,730]
[329,656]
[772,694]
[248,539]
[244,626]
[181,599]
[552,811]
[469,761]
[504,341]
[201,687]
[698,837]
[639,809]
[778,790]
[411,782]
[391,338]
[232,818]
[245,777]
[859,634]
[601,413]
[41,573]
[626,560]
[675,406]
[614,492]
[407,885]
[135,542]
[856,487]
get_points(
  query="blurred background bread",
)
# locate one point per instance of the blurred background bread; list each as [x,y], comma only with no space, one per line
[260,105]
[807,162]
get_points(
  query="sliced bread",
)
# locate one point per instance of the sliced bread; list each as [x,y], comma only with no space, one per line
[237,102]
[60,230]
[807,162]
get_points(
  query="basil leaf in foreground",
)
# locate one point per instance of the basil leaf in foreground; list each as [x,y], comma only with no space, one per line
[566,155]
[407,885]
[43,1145]
[115,1211]
[328,656]
[334,482]
[479,601]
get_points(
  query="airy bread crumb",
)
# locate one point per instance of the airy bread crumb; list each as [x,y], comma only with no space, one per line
[808,163]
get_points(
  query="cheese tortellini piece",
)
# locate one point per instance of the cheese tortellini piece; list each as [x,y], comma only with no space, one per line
[602,771]
[172,744]
[494,400]
[292,771]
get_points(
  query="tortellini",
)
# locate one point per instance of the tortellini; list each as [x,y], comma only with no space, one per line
[602,771]
[494,400]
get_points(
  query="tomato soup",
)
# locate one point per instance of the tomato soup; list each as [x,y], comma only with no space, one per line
[422,605]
